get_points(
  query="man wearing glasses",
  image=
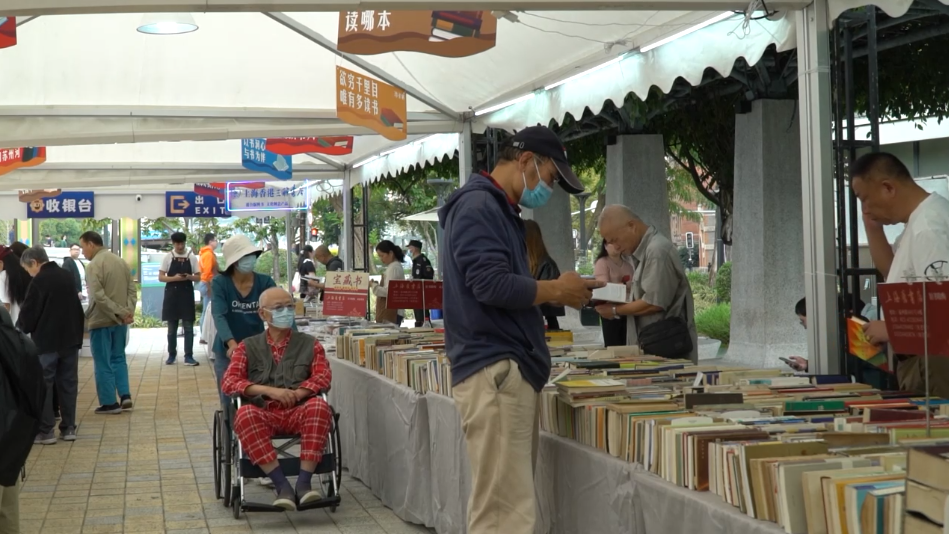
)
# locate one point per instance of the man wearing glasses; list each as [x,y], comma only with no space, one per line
[281,371]
[74,266]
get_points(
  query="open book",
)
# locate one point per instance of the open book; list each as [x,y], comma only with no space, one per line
[861,347]
[611,293]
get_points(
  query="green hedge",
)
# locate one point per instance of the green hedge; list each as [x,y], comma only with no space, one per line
[702,293]
[715,322]
[723,283]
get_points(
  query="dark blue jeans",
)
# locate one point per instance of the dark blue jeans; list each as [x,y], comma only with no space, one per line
[173,338]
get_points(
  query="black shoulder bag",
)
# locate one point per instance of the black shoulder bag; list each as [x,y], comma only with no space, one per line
[668,338]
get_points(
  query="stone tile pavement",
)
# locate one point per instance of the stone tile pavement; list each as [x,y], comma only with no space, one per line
[150,470]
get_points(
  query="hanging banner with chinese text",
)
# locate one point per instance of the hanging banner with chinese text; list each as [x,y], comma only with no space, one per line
[906,323]
[12,159]
[367,102]
[273,196]
[7,32]
[256,157]
[346,294]
[65,205]
[439,33]
[332,146]
[218,190]
[191,204]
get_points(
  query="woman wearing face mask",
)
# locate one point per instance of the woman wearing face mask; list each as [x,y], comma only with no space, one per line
[392,256]
[612,269]
[236,296]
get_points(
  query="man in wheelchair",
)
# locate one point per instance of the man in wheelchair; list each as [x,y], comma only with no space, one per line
[281,372]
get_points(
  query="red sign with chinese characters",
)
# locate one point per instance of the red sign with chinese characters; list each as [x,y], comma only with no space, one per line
[333,146]
[906,324]
[7,32]
[414,295]
[12,159]
[346,294]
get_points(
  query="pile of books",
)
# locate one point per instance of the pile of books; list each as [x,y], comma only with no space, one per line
[927,489]
[414,358]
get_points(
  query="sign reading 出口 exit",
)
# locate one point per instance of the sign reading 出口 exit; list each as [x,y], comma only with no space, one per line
[191,204]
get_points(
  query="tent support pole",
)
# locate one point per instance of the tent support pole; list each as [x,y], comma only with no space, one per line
[464,153]
[319,39]
[820,275]
[347,241]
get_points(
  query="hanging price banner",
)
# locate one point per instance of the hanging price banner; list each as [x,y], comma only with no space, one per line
[332,146]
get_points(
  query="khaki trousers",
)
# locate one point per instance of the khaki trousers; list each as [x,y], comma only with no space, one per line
[911,374]
[10,509]
[499,416]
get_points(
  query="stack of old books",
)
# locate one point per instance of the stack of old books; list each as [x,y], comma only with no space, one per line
[927,489]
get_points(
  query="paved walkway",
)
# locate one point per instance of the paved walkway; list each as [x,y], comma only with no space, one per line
[150,470]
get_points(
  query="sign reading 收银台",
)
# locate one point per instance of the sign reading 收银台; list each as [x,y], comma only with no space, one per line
[370,103]
[65,205]
[438,33]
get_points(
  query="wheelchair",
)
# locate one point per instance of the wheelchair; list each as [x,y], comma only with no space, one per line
[232,467]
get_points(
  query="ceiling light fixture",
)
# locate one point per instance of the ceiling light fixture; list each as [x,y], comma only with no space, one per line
[167,24]
[503,105]
[613,61]
[683,33]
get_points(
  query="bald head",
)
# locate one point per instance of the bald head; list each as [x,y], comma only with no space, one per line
[621,228]
[274,297]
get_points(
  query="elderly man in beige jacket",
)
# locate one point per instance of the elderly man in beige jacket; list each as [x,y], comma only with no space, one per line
[112,298]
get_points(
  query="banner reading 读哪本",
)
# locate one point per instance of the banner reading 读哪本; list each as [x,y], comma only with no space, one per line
[439,33]
[370,103]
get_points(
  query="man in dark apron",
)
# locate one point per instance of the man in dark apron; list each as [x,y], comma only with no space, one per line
[179,271]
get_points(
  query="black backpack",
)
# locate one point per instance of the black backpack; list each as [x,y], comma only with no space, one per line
[22,398]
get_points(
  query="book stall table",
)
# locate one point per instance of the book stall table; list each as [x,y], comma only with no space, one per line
[409,449]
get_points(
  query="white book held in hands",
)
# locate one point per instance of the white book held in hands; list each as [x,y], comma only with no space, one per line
[611,293]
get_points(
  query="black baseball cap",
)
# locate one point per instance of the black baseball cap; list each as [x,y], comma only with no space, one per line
[414,243]
[542,141]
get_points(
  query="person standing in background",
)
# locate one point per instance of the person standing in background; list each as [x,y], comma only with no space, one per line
[64,242]
[421,270]
[612,269]
[392,257]
[49,241]
[305,267]
[112,300]
[235,301]
[14,281]
[542,267]
[52,315]
[72,264]
[207,262]
[662,297]
[179,271]
[333,263]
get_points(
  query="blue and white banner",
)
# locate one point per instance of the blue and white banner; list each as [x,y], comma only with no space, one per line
[273,196]
[65,205]
[191,204]
[256,157]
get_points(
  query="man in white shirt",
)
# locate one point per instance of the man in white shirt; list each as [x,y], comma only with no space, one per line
[889,195]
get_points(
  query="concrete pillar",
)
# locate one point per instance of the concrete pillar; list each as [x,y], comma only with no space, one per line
[636,178]
[556,224]
[768,248]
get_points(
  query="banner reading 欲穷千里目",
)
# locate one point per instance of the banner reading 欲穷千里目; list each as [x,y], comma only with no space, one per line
[370,103]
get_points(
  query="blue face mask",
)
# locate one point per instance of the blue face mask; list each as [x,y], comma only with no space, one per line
[247,264]
[539,195]
[282,318]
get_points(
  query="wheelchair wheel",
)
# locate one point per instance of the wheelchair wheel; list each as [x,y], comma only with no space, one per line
[236,501]
[338,450]
[216,452]
[227,462]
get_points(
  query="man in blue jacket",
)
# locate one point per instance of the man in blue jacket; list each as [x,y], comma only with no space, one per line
[494,331]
